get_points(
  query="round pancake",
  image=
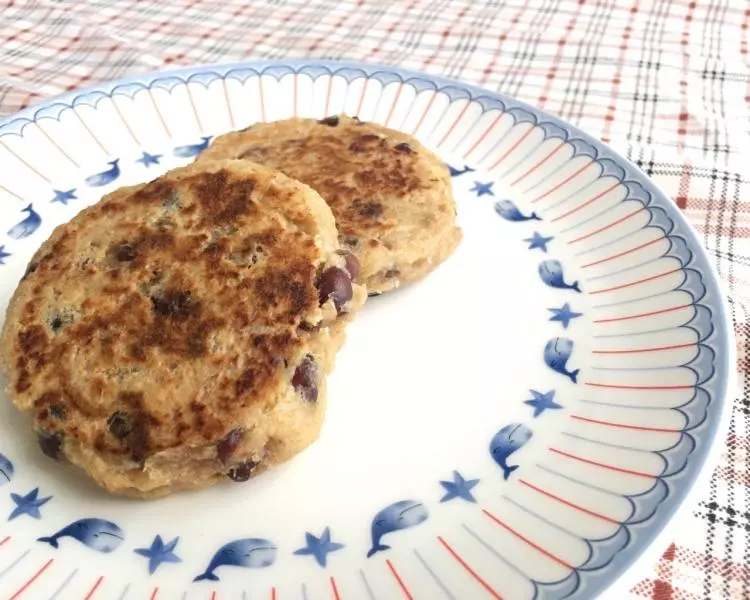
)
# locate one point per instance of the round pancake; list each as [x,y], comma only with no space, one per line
[392,197]
[179,332]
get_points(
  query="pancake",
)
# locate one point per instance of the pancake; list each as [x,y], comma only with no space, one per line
[391,197]
[179,333]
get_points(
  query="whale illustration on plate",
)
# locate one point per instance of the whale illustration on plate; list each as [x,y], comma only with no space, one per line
[507,441]
[510,212]
[105,177]
[456,172]
[551,272]
[190,150]
[556,355]
[399,515]
[97,534]
[6,470]
[26,227]
[252,553]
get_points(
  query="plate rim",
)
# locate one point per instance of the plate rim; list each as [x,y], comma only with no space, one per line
[653,540]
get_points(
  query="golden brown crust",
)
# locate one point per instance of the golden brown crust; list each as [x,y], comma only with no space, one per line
[391,196]
[169,315]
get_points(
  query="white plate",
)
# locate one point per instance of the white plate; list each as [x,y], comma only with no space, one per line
[520,424]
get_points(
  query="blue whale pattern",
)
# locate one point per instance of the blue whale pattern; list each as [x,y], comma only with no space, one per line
[551,272]
[6,470]
[26,227]
[192,149]
[253,553]
[556,355]
[97,534]
[399,515]
[510,212]
[505,442]
[105,177]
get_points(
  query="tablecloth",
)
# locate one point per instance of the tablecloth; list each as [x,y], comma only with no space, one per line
[665,82]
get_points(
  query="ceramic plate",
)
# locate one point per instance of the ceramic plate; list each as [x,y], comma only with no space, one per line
[520,424]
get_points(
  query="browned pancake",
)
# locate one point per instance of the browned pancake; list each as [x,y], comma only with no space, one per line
[391,197]
[180,331]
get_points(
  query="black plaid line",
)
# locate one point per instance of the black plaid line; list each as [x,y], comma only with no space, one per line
[653,71]
[731,452]
[73,56]
[229,43]
[643,66]
[301,28]
[470,37]
[586,57]
[713,518]
[229,40]
[696,171]
[735,516]
[732,257]
[647,166]
[423,22]
[28,48]
[745,409]
[367,18]
[511,82]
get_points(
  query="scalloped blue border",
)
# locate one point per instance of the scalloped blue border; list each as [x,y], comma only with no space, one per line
[642,534]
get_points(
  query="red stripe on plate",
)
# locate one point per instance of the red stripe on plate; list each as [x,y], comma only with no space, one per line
[92,591]
[484,135]
[639,387]
[294,95]
[328,96]
[335,589]
[623,426]
[452,127]
[569,503]
[620,220]
[537,165]
[262,101]
[598,262]
[512,148]
[526,540]
[424,114]
[31,580]
[632,283]
[641,350]
[563,182]
[393,106]
[602,465]
[471,571]
[585,204]
[398,579]
[642,315]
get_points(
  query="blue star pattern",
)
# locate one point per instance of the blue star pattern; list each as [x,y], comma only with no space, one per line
[63,196]
[28,504]
[482,189]
[149,159]
[319,547]
[537,240]
[565,315]
[458,488]
[542,402]
[159,552]
[3,255]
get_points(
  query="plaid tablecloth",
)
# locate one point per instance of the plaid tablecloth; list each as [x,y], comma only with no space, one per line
[665,82]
